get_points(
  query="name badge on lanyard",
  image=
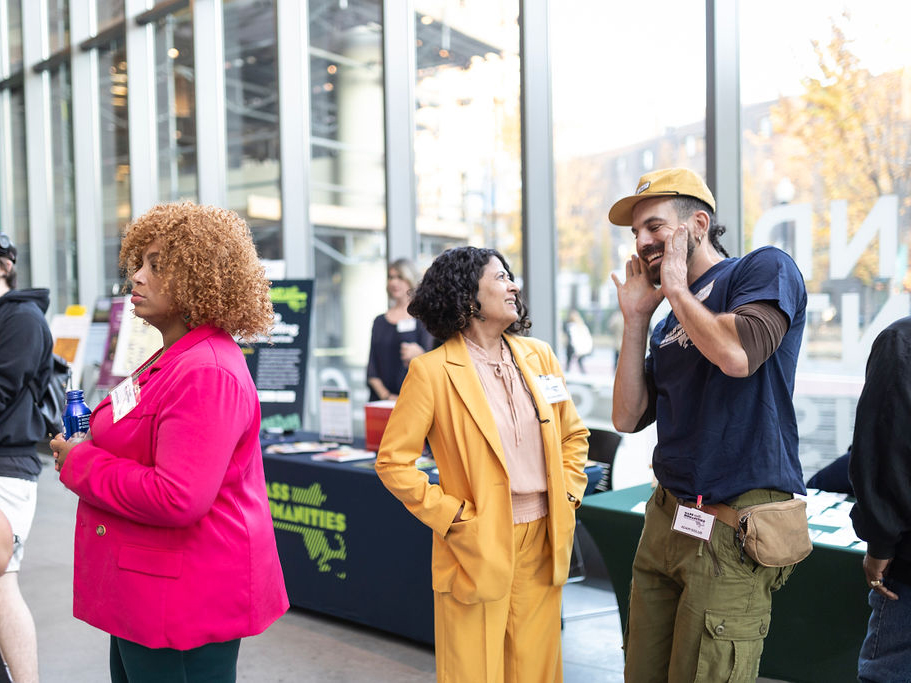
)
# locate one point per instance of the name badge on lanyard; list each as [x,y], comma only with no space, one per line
[407,325]
[553,388]
[124,397]
[693,522]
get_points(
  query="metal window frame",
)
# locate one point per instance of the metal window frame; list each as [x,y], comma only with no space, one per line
[724,173]
[539,229]
[86,155]
[38,147]
[293,40]
[142,110]
[399,74]
[211,118]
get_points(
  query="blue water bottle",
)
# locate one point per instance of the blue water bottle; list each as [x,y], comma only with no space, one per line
[76,414]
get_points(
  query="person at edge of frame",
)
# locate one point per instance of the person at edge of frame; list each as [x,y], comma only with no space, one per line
[718,379]
[25,353]
[880,469]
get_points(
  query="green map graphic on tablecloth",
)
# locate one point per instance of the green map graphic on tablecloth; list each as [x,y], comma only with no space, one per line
[300,510]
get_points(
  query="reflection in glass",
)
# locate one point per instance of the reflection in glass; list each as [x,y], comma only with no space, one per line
[108,11]
[20,233]
[115,154]
[14,33]
[467,142]
[251,99]
[64,217]
[348,189]
[610,127]
[175,83]
[827,177]
[58,24]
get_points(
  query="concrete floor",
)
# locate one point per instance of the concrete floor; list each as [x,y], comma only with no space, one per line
[301,647]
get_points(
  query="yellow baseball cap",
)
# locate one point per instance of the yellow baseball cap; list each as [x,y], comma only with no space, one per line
[668,182]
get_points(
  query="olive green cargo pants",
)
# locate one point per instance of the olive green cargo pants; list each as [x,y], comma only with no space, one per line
[697,611]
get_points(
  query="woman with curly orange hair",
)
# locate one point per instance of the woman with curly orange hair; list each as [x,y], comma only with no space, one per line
[175,553]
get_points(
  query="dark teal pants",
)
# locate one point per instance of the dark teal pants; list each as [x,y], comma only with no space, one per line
[211,663]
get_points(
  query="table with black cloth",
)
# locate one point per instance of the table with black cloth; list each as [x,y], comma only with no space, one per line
[348,548]
[819,618]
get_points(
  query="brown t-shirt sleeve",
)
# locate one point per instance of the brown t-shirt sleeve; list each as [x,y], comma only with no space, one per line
[761,326]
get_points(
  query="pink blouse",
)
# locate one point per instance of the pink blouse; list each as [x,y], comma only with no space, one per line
[520,433]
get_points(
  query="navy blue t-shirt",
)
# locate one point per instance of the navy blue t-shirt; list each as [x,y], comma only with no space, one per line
[719,436]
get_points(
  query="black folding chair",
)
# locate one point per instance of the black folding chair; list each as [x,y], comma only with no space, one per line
[602,447]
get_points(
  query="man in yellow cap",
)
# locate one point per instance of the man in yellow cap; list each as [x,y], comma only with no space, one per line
[718,378]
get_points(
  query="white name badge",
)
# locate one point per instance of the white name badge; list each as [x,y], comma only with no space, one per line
[124,397]
[693,522]
[553,388]
[408,325]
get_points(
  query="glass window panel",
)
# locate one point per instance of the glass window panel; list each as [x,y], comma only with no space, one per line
[826,154]
[64,216]
[175,81]
[115,154]
[607,133]
[108,11]
[348,192]
[468,162]
[14,34]
[251,99]
[58,24]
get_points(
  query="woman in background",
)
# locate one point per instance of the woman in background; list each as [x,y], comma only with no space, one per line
[175,552]
[511,450]
[396,338]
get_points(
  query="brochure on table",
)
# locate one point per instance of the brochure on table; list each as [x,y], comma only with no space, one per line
[335,423]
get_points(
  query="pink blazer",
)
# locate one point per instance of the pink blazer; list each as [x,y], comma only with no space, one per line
[174,539]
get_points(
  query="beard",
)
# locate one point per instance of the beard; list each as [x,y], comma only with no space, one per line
[655,273]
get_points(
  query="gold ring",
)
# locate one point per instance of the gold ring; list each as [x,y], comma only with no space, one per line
[876,583]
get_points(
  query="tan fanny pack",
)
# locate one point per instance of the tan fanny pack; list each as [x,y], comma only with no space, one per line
[773,534]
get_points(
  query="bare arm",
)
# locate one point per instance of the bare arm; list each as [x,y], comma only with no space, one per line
[380,389]
[714,334]
[638,301]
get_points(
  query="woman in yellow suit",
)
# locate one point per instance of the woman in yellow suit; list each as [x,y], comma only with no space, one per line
[511,450]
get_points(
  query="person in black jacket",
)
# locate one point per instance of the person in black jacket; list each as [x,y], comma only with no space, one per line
[880,470]
[25,351]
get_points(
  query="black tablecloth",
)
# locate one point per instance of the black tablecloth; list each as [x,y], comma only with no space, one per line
[350,549]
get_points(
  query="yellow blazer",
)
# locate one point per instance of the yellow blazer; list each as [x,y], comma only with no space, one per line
[443,400]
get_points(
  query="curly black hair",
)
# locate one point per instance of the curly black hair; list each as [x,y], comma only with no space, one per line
[447,297]
[686,206]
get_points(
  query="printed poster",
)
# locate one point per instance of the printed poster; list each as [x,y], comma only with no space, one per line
[279,368]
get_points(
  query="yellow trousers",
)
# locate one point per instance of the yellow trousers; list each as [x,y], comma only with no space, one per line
[512,640]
